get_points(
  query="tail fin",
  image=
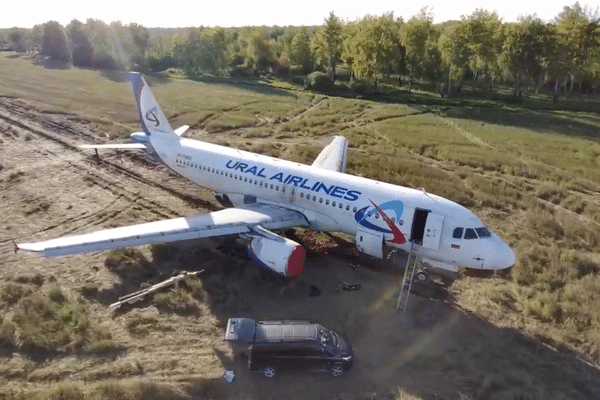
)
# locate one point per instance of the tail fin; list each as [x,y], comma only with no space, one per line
[152,119]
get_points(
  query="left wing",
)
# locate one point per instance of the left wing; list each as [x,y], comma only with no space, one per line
[126,146]
[224,222]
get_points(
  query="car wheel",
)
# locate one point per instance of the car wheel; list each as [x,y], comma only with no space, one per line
[422,276]
[269,372]
[337,370]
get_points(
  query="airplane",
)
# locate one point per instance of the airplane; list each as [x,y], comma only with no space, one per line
[262,194]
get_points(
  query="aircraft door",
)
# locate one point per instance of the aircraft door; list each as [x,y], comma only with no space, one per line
[290,193]
[433,231]
[418,226]
[369,242]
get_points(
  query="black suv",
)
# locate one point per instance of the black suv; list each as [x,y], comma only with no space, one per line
[272,346]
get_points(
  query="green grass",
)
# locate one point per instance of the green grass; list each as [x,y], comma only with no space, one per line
[48,321]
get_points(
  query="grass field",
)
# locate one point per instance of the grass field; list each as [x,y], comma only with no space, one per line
[529,171]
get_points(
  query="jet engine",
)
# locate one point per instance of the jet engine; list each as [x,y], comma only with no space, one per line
[283,256]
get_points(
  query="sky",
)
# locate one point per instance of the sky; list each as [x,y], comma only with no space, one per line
[228,13]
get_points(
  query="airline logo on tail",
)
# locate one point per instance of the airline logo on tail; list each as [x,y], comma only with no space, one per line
[152,117]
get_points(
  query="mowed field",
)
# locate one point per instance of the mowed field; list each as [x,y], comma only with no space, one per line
[530,172]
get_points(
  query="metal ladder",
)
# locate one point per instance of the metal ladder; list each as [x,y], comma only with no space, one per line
[409,273]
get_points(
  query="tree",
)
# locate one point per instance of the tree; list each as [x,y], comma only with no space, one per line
[484,33]
[327,43]
[300,50]
[140,37]
[522,51]
[255,46]
[18,39]
[579,32]
[103,42]
[455,52]
[81,48]
[374,46]
[205,50]
[414,37]
[36,38]
[54,42]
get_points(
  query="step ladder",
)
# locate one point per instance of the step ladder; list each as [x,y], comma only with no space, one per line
[409,273]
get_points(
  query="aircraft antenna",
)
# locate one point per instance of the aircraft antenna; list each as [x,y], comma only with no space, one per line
[427,194]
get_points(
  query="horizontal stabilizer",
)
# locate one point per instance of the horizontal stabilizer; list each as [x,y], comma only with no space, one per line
[124,146]
[179,131]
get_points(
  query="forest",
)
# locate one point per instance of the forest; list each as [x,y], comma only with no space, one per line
[562,55]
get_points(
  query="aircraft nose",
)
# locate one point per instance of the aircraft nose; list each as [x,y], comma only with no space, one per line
[504,257]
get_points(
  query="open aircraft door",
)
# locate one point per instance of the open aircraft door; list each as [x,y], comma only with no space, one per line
[433,231]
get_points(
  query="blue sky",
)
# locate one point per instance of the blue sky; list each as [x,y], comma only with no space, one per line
[226,13]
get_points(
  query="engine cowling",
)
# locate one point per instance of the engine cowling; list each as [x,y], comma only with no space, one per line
[285,256]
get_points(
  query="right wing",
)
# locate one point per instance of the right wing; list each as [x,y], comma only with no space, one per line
[333,156]
[224,222]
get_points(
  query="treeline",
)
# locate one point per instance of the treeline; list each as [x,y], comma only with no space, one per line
[561,54]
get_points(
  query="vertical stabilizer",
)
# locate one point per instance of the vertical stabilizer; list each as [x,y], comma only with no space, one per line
[152,119]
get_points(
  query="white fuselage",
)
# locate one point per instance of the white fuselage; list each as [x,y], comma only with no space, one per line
[334,201]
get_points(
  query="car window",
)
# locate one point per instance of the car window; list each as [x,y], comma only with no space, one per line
[457,234]
[470,234]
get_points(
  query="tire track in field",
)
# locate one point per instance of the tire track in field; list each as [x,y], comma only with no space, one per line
[113,185]
[195,200]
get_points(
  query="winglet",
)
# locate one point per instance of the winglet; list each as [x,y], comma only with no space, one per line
[17,248]
[152,119]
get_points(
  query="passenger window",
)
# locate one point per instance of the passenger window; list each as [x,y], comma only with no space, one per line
[470,234]
[333,203]
[314,198]
[246,179]
[277,188]
[354,209]
[326,202]
[320,199]
[348,207]
[341,205]
[271,186]
[377,215]
[302,194]
[457,234]
[283,189]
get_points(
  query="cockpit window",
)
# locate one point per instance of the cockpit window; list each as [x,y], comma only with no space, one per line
[483,232]
[457,233]
[470,234]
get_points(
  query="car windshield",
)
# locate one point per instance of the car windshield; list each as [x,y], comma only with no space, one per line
[327,337]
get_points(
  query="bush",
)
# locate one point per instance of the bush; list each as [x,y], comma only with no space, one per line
[7,332]
[240,71]
[162,63]
[360,86]
[10,294]
[178,301]
[319,82]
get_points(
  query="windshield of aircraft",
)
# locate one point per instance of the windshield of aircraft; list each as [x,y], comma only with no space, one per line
[471,233]
[327,336]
